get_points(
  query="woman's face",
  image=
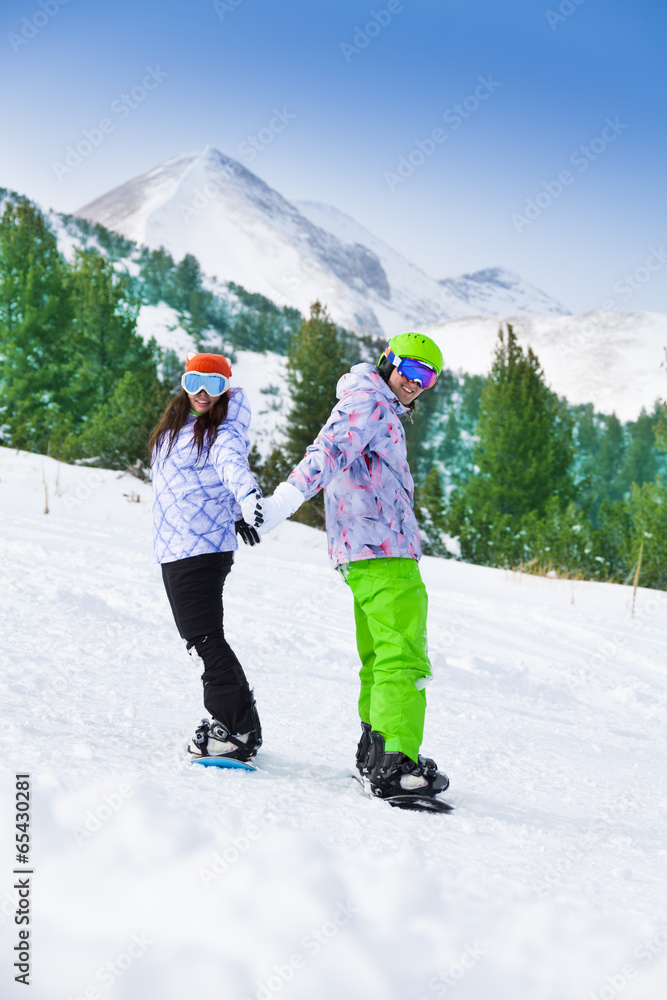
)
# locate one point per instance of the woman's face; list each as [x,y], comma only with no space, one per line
[201,402]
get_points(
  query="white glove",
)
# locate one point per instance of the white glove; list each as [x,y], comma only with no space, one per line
[274,509]
[250,508]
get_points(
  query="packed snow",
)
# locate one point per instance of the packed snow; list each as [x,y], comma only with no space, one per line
[154,877]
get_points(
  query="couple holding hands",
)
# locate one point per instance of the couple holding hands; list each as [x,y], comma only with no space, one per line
[205,495]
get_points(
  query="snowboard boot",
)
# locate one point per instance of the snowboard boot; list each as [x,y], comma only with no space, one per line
[363,746]
[396,774]
[213,739]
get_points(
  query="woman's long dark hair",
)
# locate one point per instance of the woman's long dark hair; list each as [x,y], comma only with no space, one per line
[175,417]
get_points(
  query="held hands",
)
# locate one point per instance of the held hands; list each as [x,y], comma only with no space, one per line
[251,510]
[266,514]
[247,532]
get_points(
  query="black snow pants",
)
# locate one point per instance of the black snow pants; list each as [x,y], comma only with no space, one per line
[194,588]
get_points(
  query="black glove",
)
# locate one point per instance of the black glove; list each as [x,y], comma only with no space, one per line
[247,532]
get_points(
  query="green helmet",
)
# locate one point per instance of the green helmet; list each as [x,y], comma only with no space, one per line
[416,345]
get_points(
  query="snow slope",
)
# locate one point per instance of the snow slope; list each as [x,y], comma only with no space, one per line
[153,878]
[614,360]
[242,230]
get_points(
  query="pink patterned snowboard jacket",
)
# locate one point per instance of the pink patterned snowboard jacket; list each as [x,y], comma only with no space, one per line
[359,458]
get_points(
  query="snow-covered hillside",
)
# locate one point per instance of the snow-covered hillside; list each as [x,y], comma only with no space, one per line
[156,879]
[241,230]
[614,360]
[262,375]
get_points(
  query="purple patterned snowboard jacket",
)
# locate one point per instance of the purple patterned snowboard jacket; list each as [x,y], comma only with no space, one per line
[359,458]
[196,501]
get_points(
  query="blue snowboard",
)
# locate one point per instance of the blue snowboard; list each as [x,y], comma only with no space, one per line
[224,762]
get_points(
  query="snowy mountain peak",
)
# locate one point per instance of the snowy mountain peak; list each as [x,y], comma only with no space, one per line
[240,229]
[496,291]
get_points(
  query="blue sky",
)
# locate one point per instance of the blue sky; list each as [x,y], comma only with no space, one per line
[364,89]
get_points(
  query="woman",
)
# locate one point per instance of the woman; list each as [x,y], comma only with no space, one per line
[359,458]
[199,455]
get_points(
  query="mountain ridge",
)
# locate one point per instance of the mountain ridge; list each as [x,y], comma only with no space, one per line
[241,229]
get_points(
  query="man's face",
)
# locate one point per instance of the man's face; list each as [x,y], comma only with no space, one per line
[403,390]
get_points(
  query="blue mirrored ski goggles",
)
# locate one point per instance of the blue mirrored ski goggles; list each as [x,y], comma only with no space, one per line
[413,370]
[210,382]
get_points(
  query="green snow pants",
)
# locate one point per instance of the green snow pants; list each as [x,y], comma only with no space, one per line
[390,605]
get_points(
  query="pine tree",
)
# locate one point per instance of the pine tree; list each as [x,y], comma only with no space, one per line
[525,435]
[117,433]
[315,362]
[157,271]
[430,513]
[640,464]
[103,332]
[35,319]
[648,508]
[523,454]
[610,460]
[171,370]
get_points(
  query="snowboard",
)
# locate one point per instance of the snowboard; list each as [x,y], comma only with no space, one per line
[229,762]
[419,803]
[416,803]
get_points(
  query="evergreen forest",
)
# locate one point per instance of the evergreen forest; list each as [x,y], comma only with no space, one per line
[506,473]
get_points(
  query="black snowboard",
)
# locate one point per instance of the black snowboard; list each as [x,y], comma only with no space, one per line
[418,803]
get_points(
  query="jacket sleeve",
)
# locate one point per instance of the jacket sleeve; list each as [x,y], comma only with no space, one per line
[230,451]
[350,430]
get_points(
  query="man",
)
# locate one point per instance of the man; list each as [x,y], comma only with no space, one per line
[359,458]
